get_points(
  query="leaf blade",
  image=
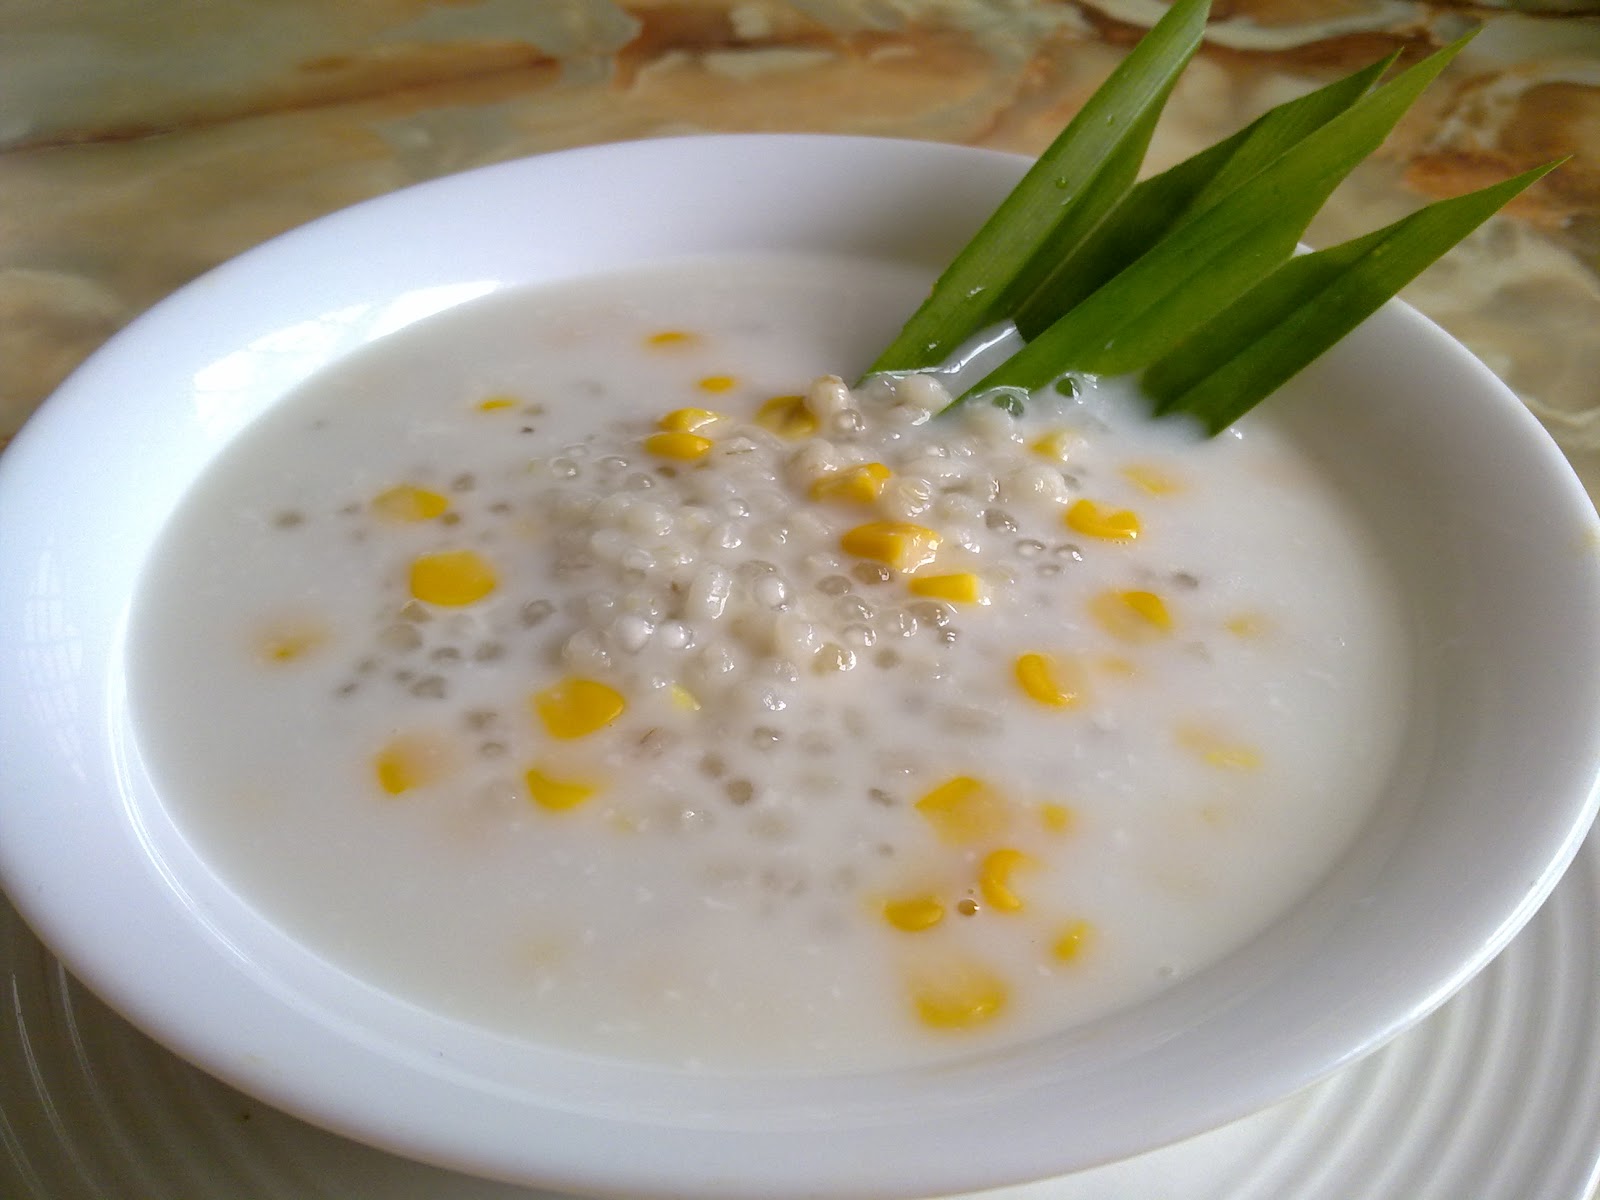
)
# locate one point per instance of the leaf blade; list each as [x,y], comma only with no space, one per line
[1156,206]
[1272,333]
[1084,172]
[1135,317]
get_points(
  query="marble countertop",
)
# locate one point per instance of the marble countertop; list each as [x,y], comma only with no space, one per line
[142,144]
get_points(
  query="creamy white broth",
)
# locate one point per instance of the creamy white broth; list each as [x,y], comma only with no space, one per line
[832,826]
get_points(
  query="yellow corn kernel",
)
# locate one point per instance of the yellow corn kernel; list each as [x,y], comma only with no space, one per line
[787,416]
[452,578]
[1218,751]
[683,699]
[668,338]
[1132,616]
[1117,664]
[1151,479]
[962,997]
[1150,607]
[1057,817]
[496,403]
[575,708]
[557,795]
[963,587]
[1089,519]
[1247,625]
[861,484]
[1073,941]
[1049,682]
[963,810]
[897,544]
[288,641]
[718,383]
[683,446]
[408,503]
[913,914]
[409,761]
[994,878]
[1057,446]
[688,420]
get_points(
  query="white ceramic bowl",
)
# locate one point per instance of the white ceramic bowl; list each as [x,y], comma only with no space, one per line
[1494,536]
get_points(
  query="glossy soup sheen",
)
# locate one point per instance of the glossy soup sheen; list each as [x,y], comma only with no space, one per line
[587,664]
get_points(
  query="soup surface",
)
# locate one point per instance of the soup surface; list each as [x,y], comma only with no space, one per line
[588,664]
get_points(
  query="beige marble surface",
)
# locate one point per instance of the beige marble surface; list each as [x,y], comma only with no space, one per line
[143,142]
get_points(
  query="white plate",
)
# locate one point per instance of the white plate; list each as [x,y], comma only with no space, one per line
[1440,883]
[1495,1097]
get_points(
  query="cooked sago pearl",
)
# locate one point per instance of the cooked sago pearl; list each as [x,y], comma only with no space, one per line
[708,594]
[576,707]
[631,633]
[1049,681]
[1091,520]
[964,810]
[1034,483]
[1157,481]
[1073,942]
[962,587]
[452,578]
[913,914]
[406,502]
[787,416]
[861,484]
[409,761]
[994,878]
[922,395]
[1216,750]
[556,794]
[685,447]
[906,497]
[1132,616]
[897,544]
[961,996]
[829,396]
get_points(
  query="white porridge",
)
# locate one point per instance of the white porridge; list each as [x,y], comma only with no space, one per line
[581,664]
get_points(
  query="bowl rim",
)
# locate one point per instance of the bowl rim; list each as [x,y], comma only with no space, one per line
[77,803]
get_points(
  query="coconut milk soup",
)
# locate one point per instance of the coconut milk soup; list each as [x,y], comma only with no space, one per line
[587,663]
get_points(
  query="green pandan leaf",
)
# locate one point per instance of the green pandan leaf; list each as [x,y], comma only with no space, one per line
[1208,262]
[1065,195]
[1246,352]
[1164,202]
